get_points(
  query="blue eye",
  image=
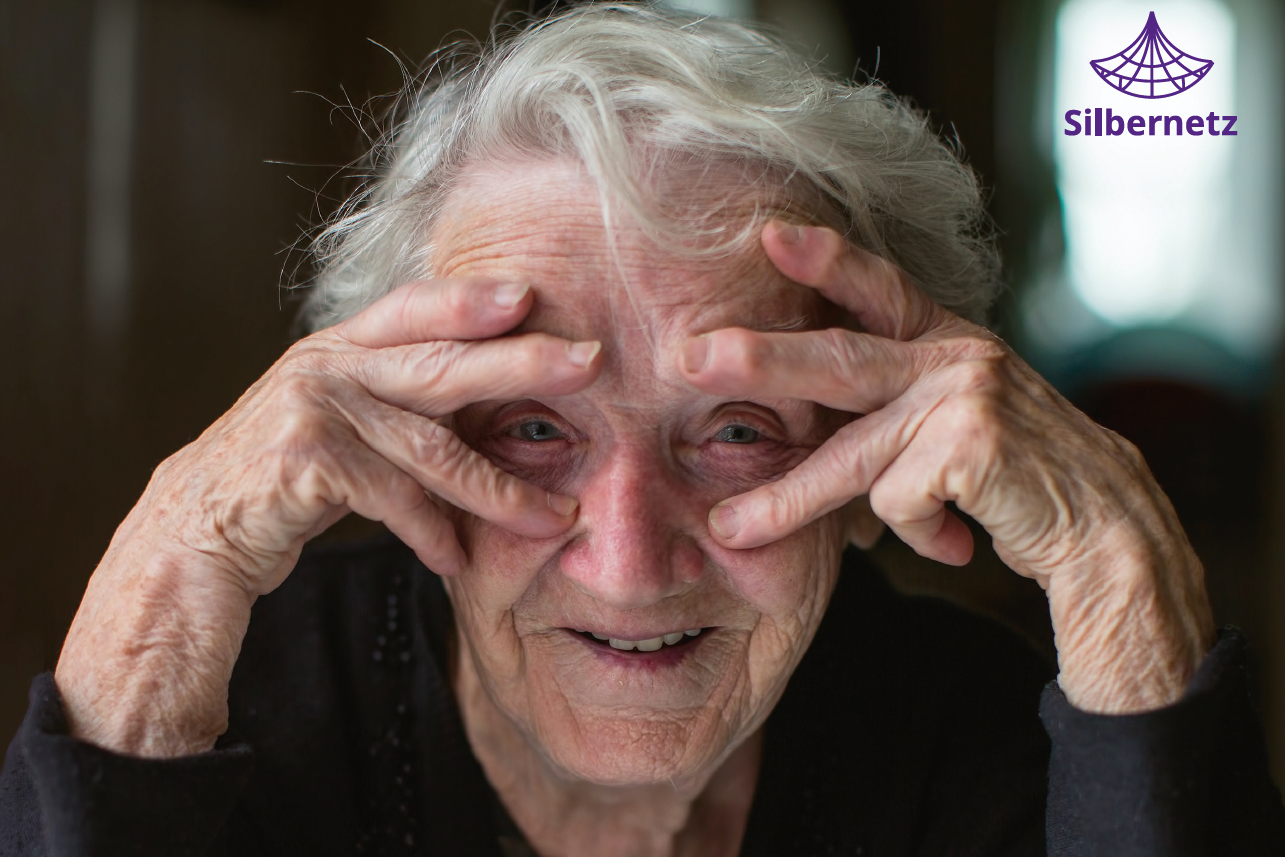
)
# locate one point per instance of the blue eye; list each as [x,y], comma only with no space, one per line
[538,430]
[737,433]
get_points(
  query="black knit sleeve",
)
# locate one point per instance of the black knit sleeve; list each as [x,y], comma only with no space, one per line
[61,796]
[1190,779]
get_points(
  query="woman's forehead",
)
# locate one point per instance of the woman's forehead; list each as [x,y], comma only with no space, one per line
[542,224]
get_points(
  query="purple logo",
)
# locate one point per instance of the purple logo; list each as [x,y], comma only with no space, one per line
[1152,67]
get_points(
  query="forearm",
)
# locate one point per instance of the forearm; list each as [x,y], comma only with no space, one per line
[147,661]
[1132,620]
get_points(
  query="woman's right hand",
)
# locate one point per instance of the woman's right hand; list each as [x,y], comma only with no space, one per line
[344,421]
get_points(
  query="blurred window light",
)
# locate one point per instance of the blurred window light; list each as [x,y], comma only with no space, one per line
[1168,230]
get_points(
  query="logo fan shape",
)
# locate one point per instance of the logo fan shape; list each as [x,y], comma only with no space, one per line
[1152,67]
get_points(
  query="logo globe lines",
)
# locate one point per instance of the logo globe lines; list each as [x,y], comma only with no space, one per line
[1151,67]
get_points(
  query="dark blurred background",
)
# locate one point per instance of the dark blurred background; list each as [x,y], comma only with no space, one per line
[162,157]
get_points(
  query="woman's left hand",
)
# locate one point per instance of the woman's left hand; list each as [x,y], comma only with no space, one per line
[950,413]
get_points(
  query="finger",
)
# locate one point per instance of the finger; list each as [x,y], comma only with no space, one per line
[875,291]
[443,464]
[841,469]
[452,308]
[370,485]
[862,526]
[837,368]
[907,496]
[438,378]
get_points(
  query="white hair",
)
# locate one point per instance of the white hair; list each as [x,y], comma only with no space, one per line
[636,92]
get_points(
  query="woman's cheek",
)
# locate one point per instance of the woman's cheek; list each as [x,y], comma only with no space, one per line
[502,565]
[784,577]
[504,554]
[789,580]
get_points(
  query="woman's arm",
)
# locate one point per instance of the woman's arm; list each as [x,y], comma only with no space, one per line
[951,414]
[1155,742]
[343,422]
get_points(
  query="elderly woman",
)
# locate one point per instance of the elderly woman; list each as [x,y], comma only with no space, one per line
[642,324]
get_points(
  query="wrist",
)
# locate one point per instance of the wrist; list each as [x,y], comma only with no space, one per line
[147,661]
[1132,627]
[1131,635]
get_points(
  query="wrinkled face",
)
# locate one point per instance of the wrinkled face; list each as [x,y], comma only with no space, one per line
[631,649]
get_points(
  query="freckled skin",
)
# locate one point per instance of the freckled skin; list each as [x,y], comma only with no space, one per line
[641,450]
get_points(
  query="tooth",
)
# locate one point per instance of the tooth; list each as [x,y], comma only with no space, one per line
[579,630]
[649,645]
[693,632]
[673,639]
[623,645]
[598,636]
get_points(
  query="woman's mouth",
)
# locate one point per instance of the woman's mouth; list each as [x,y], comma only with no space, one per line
[652,644]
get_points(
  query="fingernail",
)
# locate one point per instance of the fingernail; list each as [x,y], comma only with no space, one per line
[562,504]
[725,520]
[507,295]
[582,353]
[789,233]
[695,353]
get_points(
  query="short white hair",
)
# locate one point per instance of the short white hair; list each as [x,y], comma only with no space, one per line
[634,91]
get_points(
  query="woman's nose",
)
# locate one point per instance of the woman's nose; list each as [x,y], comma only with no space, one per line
[637,545]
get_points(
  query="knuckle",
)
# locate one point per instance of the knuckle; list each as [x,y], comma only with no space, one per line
[783,509]
[843,462]
[488,486]
[976,424]
[299,426]
[298,390]
[459,304]
[849,353]
[314,361]
[311,350]
[886,503]
[981,346]
[834,256]
[397,308]
[432,363]
[973,411]
[538,353]
[404,494]
[302,435]
[983,376]
[742,352]
[440,451]
[499,488]
[843,344]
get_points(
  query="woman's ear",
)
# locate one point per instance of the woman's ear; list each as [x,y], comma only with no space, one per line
[862,527]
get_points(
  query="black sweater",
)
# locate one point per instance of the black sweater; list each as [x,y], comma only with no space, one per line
[910,728]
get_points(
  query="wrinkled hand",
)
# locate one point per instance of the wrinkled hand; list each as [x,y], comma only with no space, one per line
[345,421]
[950,413]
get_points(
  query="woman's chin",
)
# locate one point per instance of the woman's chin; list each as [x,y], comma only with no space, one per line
[631,718]
[644,749]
